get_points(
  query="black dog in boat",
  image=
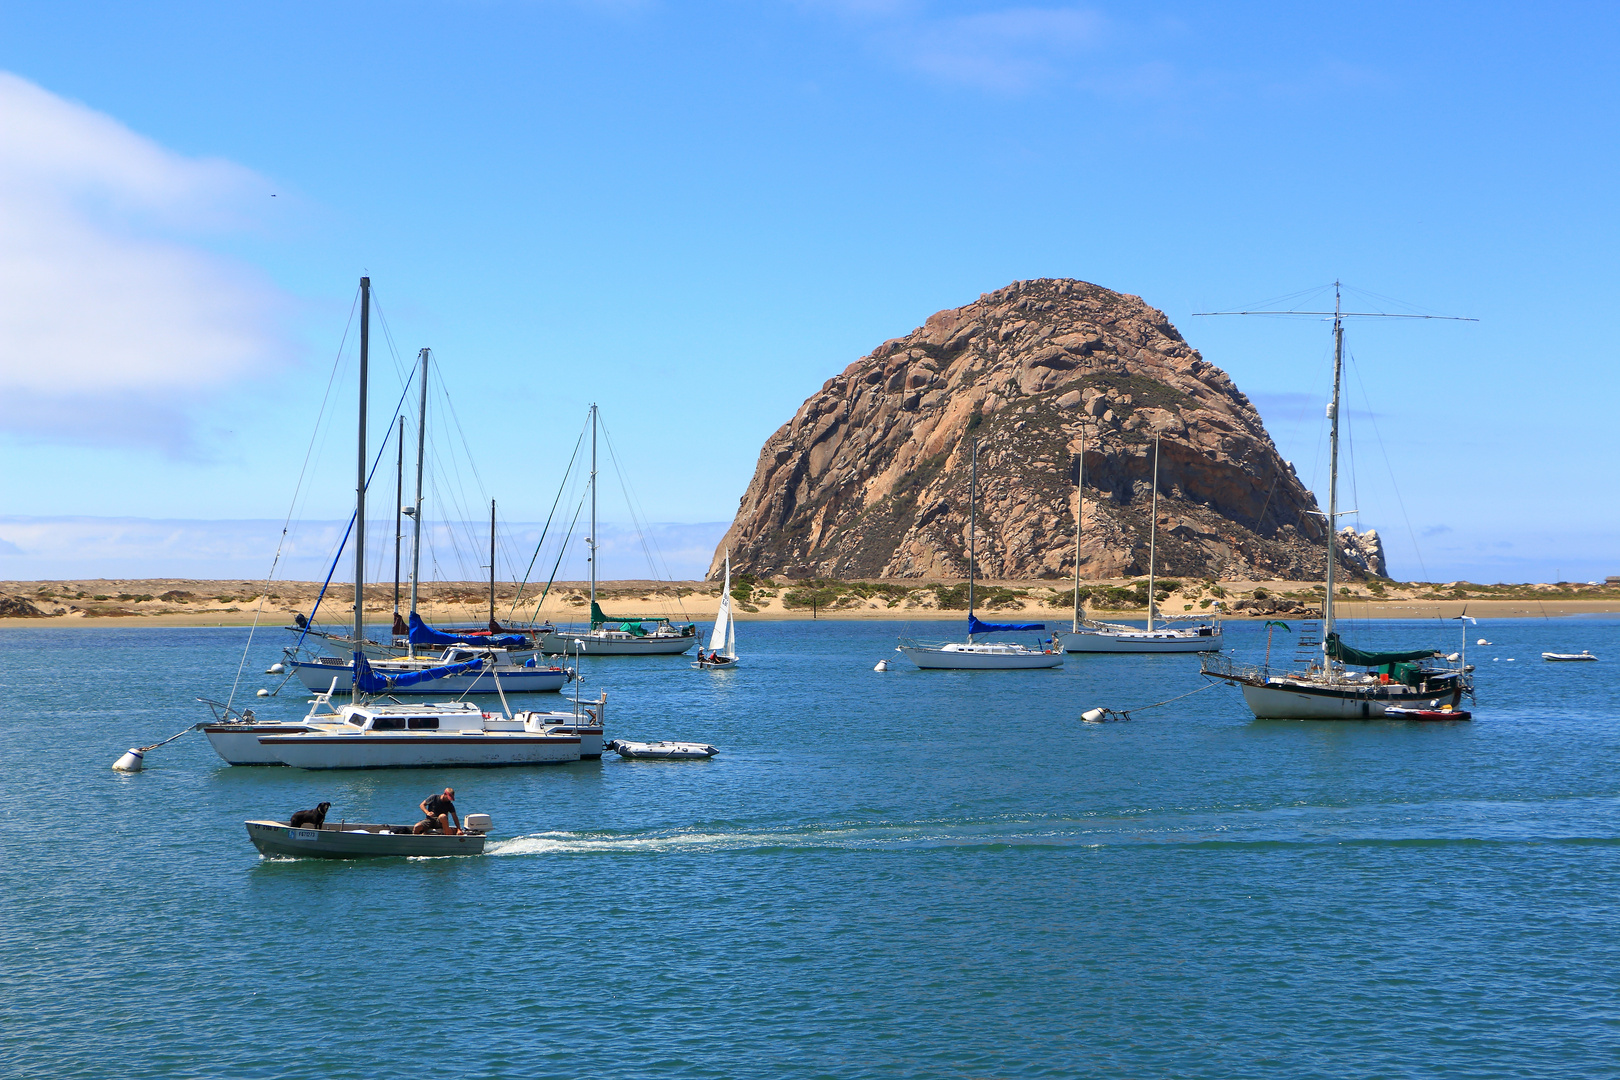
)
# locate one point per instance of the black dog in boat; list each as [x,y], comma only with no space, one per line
[311,819]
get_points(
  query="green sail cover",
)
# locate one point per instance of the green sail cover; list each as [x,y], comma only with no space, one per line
[632,622]
[1343,653]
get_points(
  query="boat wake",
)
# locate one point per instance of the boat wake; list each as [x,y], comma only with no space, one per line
[1384,825]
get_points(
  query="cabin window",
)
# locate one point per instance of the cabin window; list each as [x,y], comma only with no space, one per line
[356,719]
[424,723]
[388,723]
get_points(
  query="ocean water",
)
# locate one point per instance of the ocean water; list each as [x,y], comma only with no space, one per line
[898,874]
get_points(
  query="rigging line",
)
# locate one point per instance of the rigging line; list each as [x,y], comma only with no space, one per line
[579,442]
[641,525]
[298,487]
[1378,436]
[1347,315]
[561,551]
[370,475]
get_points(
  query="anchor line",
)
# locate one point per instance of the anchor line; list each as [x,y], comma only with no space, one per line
[1125,714]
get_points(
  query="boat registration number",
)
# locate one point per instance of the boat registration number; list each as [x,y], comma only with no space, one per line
[303,834]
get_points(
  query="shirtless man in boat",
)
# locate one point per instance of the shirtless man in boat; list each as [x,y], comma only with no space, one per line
[439,810]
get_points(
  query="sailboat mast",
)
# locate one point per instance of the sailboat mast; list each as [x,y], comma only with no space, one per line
[1153,531]
[973,498]
[591,540]
[492,566]
[360,481]
[416,511]
[1079,511]
[1333,479]
[399,508]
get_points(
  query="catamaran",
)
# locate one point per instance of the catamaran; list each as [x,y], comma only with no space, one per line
[1089,636]
[1413,679]
[723,641]
[619,635]
[979,655]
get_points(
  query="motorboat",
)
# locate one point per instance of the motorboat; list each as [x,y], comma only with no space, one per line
[662,751]
[974,655]
[362,840]
[1091,636]
[1563,656]
[1399,712]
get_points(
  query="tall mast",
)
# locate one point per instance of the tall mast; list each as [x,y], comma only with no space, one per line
[591,540]
[973,497]
[360,483]
[492,566]
[1333,479]
[416,511]
[1153,531]
[399,509]
[1079,509]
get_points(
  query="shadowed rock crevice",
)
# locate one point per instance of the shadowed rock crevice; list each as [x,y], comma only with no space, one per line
[870,477]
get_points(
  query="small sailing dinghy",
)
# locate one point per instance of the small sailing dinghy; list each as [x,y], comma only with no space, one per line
[723,642]
[357,840]
[1582,655]
[662,751]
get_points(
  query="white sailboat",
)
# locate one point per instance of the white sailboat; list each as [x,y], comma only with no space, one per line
[723,641]
[621,635]
[1090,636]
[979,655]
[1413,682]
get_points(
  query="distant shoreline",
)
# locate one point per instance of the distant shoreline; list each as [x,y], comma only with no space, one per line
[175,602]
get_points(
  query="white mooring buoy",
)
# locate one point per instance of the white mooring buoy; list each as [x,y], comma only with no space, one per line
[881,665]
[1482,641]
[130,762]
[263,692]
[1093,716]
[275,669]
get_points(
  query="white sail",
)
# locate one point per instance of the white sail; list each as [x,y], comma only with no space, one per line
[724,638]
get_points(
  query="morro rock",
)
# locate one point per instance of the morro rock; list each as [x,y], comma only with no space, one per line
[870,477]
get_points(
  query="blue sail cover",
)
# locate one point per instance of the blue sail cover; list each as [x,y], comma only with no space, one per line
[367,681]
[423,634]
[977,627]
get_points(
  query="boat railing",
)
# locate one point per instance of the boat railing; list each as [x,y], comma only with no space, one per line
[1221,666]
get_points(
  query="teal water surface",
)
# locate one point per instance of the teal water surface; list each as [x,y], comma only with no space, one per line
[883,874]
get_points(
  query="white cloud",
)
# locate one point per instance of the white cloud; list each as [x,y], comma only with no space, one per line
[114,322]
[1011,50]
[1006,50]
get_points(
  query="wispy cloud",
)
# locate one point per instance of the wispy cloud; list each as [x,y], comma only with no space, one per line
[114,320]
[1008,50]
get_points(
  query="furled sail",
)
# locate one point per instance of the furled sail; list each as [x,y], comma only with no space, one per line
[423,634]
[977,627]
[368,681]
[1343,653]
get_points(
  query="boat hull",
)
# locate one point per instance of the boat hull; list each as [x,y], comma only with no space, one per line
[556,644]
[318,677]
[1273,701]
[238,744]
[355,842]
[942,660]
[1140,641]
[427,750]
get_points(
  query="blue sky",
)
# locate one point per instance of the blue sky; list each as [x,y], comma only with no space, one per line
[695,214]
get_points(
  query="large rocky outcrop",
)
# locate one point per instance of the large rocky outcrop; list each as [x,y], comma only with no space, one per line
[870,477]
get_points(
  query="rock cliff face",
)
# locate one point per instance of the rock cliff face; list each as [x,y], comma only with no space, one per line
[870,477]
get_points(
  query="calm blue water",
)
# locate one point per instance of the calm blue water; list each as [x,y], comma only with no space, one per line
[901,874]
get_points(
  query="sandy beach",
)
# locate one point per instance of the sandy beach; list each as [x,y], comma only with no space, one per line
[183,603]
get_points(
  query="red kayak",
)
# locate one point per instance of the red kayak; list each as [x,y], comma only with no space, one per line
[1428,714]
